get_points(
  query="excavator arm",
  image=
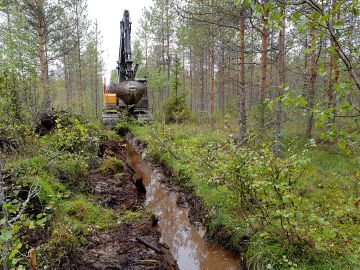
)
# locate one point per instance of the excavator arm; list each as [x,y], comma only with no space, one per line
[124,67]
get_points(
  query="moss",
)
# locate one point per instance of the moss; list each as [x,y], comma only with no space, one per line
[49,189]
[46,193]
[81,211]
[111,166]
[109,135]
[62,241]
[73,221]
[70,169]
[119,177]
[121,129]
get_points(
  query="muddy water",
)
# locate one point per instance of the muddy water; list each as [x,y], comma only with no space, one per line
[187,243]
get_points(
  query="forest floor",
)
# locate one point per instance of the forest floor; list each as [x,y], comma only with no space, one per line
[297,212]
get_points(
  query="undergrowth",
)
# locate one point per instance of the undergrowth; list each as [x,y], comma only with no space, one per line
[46,192]
[298,212]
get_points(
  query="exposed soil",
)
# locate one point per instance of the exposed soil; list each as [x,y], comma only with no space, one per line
[120,249]
[46,124]
[120,194]
[129,245]
[186,196]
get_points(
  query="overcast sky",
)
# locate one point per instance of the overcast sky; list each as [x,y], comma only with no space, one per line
[109,13]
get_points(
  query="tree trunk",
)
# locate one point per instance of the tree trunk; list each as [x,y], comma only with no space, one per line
[66,82]
[264,62]
[168,41]
[191,80]
[312,89]
[251,99]
[44,69]
[202,82]
[96,89]
[80,89]
[333,77]
[211,86]
[306,66]
[280,88]
[242,94]
[271,73]
[222,83]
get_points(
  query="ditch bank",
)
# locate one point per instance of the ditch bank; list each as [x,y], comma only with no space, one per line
[135,242]
[180,214]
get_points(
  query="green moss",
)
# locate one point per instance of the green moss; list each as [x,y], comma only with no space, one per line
[46,193]
[49,189]
[110,166]
[81,211]
[61,243]
[71,169]
[109,135]
[133,216]
[119,177]
[121,129]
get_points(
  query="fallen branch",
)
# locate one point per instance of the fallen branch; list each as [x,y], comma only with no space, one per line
[31,194]
[149,245]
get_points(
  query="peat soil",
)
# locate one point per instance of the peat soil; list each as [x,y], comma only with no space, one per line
[130,245]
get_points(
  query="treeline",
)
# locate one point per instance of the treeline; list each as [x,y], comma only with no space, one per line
[50,58]
[265,62]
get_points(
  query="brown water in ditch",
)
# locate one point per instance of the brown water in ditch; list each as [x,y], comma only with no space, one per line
[187,243]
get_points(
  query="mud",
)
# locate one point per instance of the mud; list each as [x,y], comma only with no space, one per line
[180,215]
[115,192]
[120,248]
[185,196]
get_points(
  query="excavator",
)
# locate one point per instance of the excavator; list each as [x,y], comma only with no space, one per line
[129,95]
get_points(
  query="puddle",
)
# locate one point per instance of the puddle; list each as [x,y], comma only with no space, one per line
[186,242]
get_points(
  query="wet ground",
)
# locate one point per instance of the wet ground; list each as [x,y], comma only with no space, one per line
[130,245]
[177,213]
[171,239]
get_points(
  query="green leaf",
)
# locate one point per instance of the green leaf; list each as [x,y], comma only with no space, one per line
[5,235]
[296,16]
[32,225]
[342,145]
[339,24]
[259,9]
